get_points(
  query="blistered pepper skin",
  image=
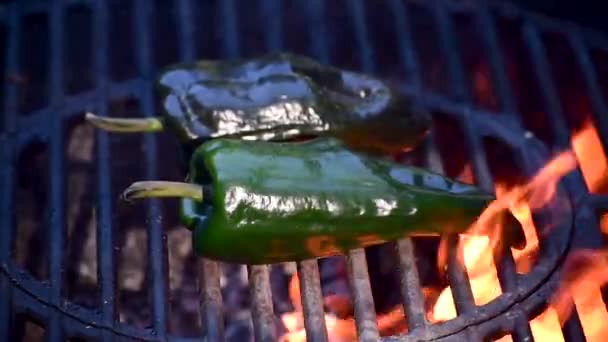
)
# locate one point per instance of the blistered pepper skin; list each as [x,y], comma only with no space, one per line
[282,96]
[278,202]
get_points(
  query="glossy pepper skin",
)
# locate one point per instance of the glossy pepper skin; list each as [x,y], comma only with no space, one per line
[282,96]
[278,202]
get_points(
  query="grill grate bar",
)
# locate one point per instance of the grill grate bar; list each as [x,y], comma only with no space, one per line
[230,35]
[211,300]
[590,78]
[262,312]
[462,293]
[318,30]
[405,42]
[273,34]
[55,215]
[105,231]
[10,113]
[184,18]
[157,258]
[365,315]
[504,261]
[12,67]
[212,322]
[542,72]
[459,280]
[572,329]
[358,274]
[448,45]
[308,270]
[366,52]
[71,105]
[259,279]
[496,62]
[6,179]
[599,201]
[312,305]
[7,170]
[411,289]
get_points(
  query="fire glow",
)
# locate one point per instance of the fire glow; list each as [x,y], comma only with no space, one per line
[583,273]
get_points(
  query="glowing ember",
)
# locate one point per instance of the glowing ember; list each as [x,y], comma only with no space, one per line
[339,329]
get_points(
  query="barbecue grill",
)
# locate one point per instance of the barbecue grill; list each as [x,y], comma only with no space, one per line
[62,58]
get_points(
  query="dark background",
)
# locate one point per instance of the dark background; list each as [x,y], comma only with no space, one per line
[583,12]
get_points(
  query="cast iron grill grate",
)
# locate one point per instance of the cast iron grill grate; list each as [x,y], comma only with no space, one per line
[44,300]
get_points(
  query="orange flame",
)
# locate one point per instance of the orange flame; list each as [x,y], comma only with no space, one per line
[591,156]
[582,275]
[339,329]
[476,247]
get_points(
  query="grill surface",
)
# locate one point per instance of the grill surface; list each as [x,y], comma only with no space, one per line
[21,292]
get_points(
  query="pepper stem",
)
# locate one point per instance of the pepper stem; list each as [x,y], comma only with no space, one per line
[125,125]
[154,189]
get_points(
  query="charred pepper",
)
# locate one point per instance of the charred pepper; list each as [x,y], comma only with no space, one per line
[279,97]
[277,202]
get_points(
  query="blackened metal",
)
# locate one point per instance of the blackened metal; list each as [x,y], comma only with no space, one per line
[308,270]
[212,321]
[7,173]
[185,21]
[591,238]
[600,110]
[229,25]
[411,289]
[315,11]
[503,258]
[599,201]
[507,277]
[358,277]
[497,65]
[404,41]
[312,301]
[459,281]
[157,256]
[272,17]
[36,122]
[262,312]
[56,173]
[365,54]
[505,263]
[105,230]
[211,300]
[539,282]
[33,300]
[6,183]
[545,83]
[448,46]
[12,67]
[573,329]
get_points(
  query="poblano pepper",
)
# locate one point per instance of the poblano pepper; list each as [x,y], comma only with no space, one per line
[276,202]
[278,97]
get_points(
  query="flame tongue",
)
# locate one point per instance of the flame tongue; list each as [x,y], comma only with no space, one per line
[582,275]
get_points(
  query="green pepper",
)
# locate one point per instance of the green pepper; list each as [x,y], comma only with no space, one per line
[279,97]
[276,202]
